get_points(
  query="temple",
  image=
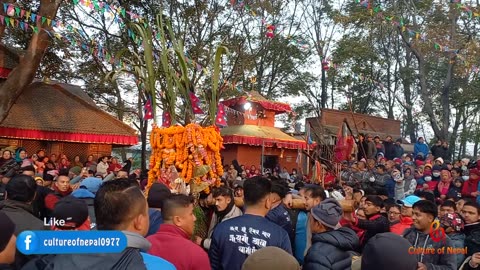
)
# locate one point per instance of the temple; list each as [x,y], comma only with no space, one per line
[251,135]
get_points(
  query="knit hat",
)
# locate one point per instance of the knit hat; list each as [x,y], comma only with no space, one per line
[453,221]
[76,170]
[328,212]
[92,184]
[7,228]
[388,251]
[440,160]
[71,210]
[270,258]
[409,201]
[397,160]
[474,171]
[436,168]
[157,194]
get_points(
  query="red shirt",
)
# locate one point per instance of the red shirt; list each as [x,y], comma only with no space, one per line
[172,244]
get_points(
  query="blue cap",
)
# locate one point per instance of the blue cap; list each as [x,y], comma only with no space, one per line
[92,184]
[409,201]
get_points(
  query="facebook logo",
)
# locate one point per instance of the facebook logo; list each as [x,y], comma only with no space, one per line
[27,242]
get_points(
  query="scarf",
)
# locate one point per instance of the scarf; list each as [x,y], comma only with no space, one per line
[443,187]
[223,213]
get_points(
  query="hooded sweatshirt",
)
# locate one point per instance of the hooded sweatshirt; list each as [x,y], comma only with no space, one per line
[432,259]
[330,250]
[130,258]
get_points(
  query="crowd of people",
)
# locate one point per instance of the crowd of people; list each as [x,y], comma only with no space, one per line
[383,209]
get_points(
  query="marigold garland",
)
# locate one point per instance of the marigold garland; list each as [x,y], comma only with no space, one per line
[184,149]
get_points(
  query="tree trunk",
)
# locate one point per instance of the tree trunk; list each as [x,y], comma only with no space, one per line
[143,134]
[24,73]
[324,89]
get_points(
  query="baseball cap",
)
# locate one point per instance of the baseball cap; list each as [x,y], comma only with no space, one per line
[409,201]
[72,210]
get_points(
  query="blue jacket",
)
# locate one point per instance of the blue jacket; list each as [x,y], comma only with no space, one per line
[156,263]
[330,250]
[390,186]
[458,241]
[280,216]
[156,220]
[235,239]
[420,148]
[301,236]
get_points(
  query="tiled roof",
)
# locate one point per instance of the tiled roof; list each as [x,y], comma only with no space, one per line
[62,108]
[258,135]
[9,57]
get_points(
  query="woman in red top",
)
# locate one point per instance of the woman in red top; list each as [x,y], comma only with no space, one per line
[114,166]
[471,185]
[444,185]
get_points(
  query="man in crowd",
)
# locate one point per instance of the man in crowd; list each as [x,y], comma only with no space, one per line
[235,239]
[387,251]
[424,213]
[375,222]
[314,195]
[406,212]
[20,194]
[331,243]
[61,188]
[88,188]
[279,213]
[118,206]
[74,212]
[172,241]
[224,210]
[420,147]
[471,215]
[157,194]
[7,240]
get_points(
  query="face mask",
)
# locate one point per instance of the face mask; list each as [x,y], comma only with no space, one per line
[465,177]
[436,174]
[428,178]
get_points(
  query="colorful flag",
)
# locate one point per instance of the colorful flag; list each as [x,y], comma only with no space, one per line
[147,109]
[220,117]
[195,103]
[166,119]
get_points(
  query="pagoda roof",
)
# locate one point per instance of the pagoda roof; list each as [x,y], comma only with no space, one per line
[255,97]
[63,112]
[258,135]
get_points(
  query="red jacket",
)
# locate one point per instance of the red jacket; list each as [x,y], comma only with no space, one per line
[52,198]
[469,186]
[172,244]
[399,228]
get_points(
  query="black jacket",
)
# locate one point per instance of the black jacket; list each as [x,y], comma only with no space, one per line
[472,238]
[22,215]
[330,250]
[372,226]
[389,150]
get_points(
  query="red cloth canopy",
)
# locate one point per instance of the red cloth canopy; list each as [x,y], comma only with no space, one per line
[68,137]
[267,142]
